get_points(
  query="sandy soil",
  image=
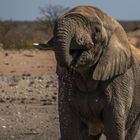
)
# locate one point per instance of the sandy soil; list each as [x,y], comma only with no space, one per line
[28,96]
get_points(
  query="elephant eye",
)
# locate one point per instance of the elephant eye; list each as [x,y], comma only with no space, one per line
[81,41]
[97,29]
[97,34]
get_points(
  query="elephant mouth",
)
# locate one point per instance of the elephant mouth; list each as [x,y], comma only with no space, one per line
[75,53]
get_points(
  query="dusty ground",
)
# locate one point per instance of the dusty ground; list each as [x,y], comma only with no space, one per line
[28,96]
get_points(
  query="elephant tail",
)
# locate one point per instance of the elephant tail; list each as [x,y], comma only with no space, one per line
[42,46]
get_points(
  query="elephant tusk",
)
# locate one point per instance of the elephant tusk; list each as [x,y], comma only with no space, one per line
[42,46]
[35,44]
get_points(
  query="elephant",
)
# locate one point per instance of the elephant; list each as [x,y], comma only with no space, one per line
[99,76]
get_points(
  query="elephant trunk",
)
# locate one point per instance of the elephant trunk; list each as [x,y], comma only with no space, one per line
[63,33]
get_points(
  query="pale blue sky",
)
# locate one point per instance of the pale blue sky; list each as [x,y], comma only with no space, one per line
[29,9]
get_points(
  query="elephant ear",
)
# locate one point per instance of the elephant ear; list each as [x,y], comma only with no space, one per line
[116,57]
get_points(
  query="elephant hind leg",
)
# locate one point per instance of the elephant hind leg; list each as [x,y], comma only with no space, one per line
[132,133]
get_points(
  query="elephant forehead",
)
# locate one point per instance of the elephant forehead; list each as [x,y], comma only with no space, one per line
[86,10]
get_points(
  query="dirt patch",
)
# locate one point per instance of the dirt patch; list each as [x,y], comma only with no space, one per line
[31,62]
[28,95]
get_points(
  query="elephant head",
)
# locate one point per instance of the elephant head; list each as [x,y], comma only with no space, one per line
[86,37]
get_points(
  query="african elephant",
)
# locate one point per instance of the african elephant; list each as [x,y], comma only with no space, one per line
[99,77]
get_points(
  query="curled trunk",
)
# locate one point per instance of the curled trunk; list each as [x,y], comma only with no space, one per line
[63,35]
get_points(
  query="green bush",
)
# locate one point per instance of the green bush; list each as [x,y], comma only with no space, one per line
[20,44]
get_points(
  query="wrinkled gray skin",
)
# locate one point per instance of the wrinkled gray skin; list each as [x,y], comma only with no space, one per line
[99,77]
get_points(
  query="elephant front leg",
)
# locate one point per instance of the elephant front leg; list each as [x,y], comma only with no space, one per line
[114,123]
[69,122]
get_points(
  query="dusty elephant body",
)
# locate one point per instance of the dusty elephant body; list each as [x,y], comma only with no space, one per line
[99,77]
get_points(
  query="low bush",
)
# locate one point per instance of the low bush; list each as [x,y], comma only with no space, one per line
[20,44]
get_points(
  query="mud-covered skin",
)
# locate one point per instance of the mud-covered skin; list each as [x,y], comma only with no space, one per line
[92,111]
[95,101]
[99,80]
